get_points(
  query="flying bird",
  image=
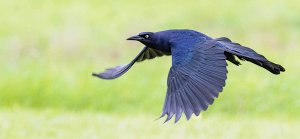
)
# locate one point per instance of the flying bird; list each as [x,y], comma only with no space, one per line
[198,70]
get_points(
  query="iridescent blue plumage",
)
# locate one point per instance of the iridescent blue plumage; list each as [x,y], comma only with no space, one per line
[198,71]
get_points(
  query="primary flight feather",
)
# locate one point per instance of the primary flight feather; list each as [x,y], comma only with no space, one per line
[198,71]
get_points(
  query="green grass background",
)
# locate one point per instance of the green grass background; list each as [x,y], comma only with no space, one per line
[49,48]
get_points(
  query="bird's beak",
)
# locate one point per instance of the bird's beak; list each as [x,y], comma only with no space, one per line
[135,38]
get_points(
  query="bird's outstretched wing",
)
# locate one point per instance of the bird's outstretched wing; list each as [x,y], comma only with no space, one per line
[115,72]
[150,54]
[194,80]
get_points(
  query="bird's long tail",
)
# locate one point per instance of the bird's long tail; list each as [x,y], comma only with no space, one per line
[268,65]
[244,53]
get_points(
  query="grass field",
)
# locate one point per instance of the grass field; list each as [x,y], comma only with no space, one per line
[61,125]
[48,50]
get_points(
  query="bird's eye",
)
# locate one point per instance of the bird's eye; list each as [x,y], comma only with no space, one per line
[147,36]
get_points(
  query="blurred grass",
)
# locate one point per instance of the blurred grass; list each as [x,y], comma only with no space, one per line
[48,50]
[62,125]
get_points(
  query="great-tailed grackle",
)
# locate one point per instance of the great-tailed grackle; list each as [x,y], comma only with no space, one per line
[198,71]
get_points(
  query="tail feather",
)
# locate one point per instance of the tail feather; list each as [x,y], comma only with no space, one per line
[244,53]
[268,65]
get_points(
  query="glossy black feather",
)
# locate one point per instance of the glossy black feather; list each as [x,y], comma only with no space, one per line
[194,87]
[248,54]
[198,71]
[115,72]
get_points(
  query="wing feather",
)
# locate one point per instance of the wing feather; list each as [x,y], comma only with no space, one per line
[115,72]
[195,81]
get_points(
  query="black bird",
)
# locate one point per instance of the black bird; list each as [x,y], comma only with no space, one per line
[198,71]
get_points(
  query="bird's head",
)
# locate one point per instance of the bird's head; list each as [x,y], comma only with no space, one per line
[147,38]
[156,40]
